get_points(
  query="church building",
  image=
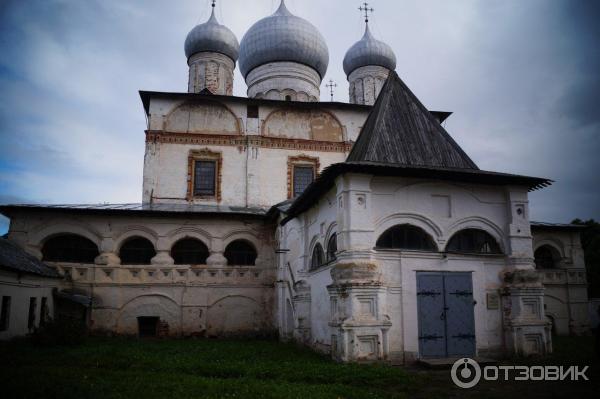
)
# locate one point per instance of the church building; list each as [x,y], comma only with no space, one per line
[359,229]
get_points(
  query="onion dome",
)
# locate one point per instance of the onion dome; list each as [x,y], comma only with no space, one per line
[369,51]
[212,37]
[283,37]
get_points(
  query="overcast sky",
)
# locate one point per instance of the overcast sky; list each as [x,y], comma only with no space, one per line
[521,76]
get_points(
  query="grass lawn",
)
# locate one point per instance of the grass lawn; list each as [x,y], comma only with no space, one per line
[125,368]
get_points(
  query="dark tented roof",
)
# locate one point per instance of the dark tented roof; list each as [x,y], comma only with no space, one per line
[13,257]
[401,131]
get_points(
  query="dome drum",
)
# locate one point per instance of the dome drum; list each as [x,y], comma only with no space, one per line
[284,81]
[212,50]
[285,39]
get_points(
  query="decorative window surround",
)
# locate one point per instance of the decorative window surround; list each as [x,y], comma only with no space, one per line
[301,160]
[204,155]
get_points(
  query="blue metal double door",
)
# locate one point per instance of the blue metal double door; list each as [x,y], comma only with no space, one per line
[446,314]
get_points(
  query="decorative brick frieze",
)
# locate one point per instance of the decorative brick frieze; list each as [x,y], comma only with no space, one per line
[244,141]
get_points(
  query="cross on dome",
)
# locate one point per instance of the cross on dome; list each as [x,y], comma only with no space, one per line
[366,10]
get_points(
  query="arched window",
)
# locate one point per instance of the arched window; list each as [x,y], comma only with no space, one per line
[137,251]
[546,257]
[189,251]
[473,241]
[71,248]
[331,247]
[317,257]
[406,236]
[240,253]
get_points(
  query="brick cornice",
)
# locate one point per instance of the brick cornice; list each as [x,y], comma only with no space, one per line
[153,136]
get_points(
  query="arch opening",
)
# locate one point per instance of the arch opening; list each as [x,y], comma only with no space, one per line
[546,257]
[406,236]
[332,248]
[137,251]
[240,253]
[317,258]
[71,248]
[473,241]
[189,251]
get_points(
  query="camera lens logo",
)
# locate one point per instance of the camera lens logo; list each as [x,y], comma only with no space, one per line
[465,373]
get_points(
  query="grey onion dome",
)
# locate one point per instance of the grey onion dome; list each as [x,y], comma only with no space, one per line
[283,37]
[369,51]
[212,37]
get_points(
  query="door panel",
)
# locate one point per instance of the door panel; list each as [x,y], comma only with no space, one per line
[446,317]
[460,322]
[430,302]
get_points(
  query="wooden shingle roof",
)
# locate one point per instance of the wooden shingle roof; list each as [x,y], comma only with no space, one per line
[401,131]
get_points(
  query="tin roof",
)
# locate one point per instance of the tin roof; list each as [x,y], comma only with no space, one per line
[13,257]
[139,209]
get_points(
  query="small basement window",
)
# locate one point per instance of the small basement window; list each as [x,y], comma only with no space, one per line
[147,326]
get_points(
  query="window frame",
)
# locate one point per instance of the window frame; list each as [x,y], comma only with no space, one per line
[204,155]
[300,161]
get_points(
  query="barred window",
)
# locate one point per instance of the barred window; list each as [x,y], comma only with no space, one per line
[205,173]
[303,176]
[406,236]
[473,241]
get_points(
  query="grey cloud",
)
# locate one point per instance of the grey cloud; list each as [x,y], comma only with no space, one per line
[522,78]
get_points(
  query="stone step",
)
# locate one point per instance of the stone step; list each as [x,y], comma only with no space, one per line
[446,363]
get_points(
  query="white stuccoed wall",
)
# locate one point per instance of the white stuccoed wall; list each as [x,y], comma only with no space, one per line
[20,288]
[214,299]
[565,286]
[441,209]
[253,175]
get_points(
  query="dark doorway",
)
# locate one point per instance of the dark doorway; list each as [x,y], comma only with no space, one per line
[147,327]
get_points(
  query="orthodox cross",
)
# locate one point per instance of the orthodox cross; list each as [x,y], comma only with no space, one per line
[366,10]
[331,86]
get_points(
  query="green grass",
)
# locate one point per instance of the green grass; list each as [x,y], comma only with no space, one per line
[125,368]
[121,368]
